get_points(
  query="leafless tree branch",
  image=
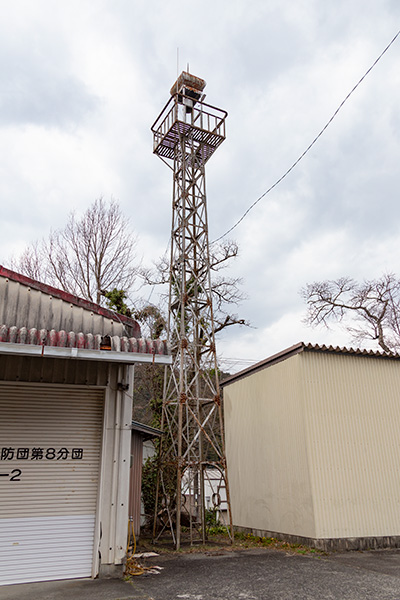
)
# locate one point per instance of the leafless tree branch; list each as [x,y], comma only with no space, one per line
[374,304]
[92,253]
[226,291]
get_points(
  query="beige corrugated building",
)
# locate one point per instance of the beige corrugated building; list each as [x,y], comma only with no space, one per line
[313,447]
[66,380]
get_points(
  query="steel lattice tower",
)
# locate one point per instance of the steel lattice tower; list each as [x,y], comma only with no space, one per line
[192,452]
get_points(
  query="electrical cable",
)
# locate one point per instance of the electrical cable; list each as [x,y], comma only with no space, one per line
[312,143]
[132,567]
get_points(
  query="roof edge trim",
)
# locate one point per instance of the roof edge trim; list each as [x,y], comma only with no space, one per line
[302,347]
[84,354]
[147,431]
[266,362]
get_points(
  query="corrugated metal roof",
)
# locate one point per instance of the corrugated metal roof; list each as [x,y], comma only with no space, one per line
[30,303]
[53,323]
[344,350]
[304,347]
[71,339]
[62,344]
[147,432]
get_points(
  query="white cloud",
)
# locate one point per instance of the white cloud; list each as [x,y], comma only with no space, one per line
[82,82]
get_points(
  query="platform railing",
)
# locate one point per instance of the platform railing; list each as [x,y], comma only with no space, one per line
[201,116]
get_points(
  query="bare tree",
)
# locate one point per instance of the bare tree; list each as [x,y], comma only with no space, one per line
[374,304]
[30,262]
[226,290]
[91,253]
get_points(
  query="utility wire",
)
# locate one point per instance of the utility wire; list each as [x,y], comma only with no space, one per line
[312,143]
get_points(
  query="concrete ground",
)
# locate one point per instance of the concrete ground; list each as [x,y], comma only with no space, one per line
[254,574]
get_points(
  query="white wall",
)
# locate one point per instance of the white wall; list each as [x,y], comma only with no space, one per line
[313,446]
[352,418]
[267,451]
[114,492]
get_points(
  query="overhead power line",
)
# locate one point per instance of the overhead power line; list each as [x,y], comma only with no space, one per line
[312,143]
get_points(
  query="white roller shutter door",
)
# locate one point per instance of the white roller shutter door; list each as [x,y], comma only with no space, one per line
[50,451]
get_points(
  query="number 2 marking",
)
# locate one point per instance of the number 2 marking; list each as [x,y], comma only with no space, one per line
[16,475]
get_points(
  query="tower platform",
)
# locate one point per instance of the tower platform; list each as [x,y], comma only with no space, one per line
[185,117]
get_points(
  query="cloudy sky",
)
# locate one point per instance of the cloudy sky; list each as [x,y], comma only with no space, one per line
[82,82]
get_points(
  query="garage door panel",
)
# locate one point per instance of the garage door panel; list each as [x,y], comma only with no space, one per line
[33,548]
[50,448]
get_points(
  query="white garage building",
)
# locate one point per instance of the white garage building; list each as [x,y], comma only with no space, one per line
[66,380]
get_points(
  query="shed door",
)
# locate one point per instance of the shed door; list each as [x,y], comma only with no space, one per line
[50,448]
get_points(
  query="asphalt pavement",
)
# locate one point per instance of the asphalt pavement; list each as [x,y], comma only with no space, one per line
[253,574]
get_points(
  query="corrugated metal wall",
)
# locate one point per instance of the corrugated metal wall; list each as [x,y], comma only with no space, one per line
[313,447]
[352,418]
[267,451]
[135,491]
[114,495]
[53,370]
